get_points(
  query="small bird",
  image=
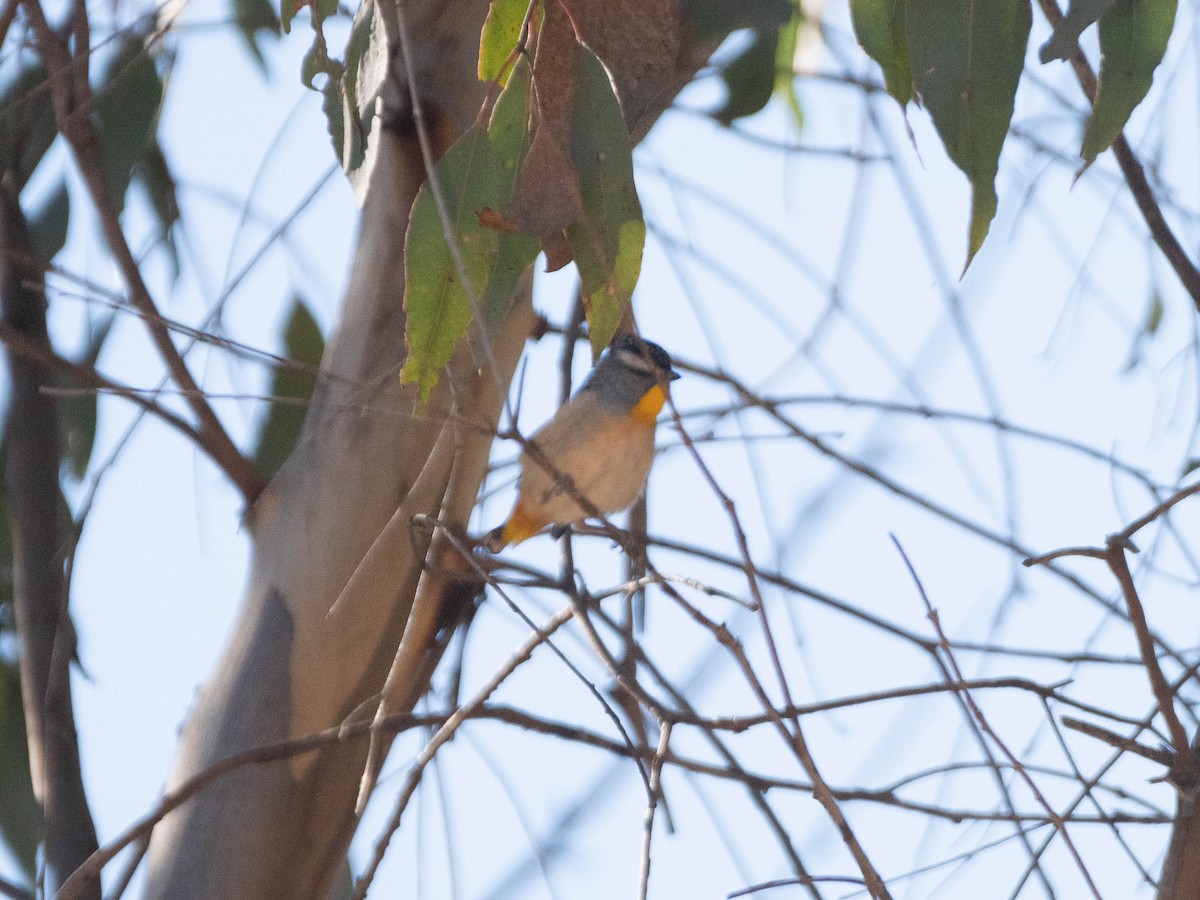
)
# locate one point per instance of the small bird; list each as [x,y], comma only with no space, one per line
[602,439]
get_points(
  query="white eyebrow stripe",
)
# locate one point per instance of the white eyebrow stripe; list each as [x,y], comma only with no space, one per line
[635,361]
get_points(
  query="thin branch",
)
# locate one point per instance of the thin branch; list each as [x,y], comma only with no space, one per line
[89,376]
[977,713]
[656,765]
[1078,777]
[1043,559]
[72,98]
[758,783]
[796,882]
[1120,742]
[1163,694]
[1126,534]
[520,656]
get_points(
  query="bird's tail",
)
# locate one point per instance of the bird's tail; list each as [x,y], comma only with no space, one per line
[519,526]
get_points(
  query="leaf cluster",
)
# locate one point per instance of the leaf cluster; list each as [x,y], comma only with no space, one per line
[963,59]
[551,170]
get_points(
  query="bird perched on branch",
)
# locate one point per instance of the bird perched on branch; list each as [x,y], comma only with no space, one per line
[594,455]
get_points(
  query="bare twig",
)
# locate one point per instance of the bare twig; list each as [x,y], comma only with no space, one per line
[444,733]
[72,99]
[1125,535]
[1128,745]
[1113,553]
[8,889]
[656,765]
[1137,617]
[977,713]
[43,355]
[402,722]
[794,882]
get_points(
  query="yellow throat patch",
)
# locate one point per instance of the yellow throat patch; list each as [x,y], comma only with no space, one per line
[647,409]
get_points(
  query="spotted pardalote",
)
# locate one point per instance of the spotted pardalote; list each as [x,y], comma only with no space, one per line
[602,439]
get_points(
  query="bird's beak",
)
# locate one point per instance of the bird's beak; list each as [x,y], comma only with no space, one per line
[672,375]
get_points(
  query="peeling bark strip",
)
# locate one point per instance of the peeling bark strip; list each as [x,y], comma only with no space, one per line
[39,587]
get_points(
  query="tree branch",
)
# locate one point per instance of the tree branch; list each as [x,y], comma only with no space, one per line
[72,102]
[40,591]
[1163,694]
[44,356]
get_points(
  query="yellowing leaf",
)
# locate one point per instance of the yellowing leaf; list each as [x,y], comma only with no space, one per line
[501,31]
[511,140]
[608,238]
[435,297]
[879,27]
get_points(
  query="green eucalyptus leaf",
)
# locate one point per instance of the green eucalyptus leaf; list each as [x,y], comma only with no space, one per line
[966,58]
[336,104]
[361,52]
[292,385]
[501,31]
[1133,39]
[27,123]
[20,812]
[154,175]
[323,9]
[255,19]
[879,27]
[749,78]
[78,412]
[349,87]
[712,20]
[608,238]
[48,226]
[509,132]
[435,298]
[287,12]
[785,61]
[128,99]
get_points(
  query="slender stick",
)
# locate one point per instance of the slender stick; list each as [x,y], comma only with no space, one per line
[72,99]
